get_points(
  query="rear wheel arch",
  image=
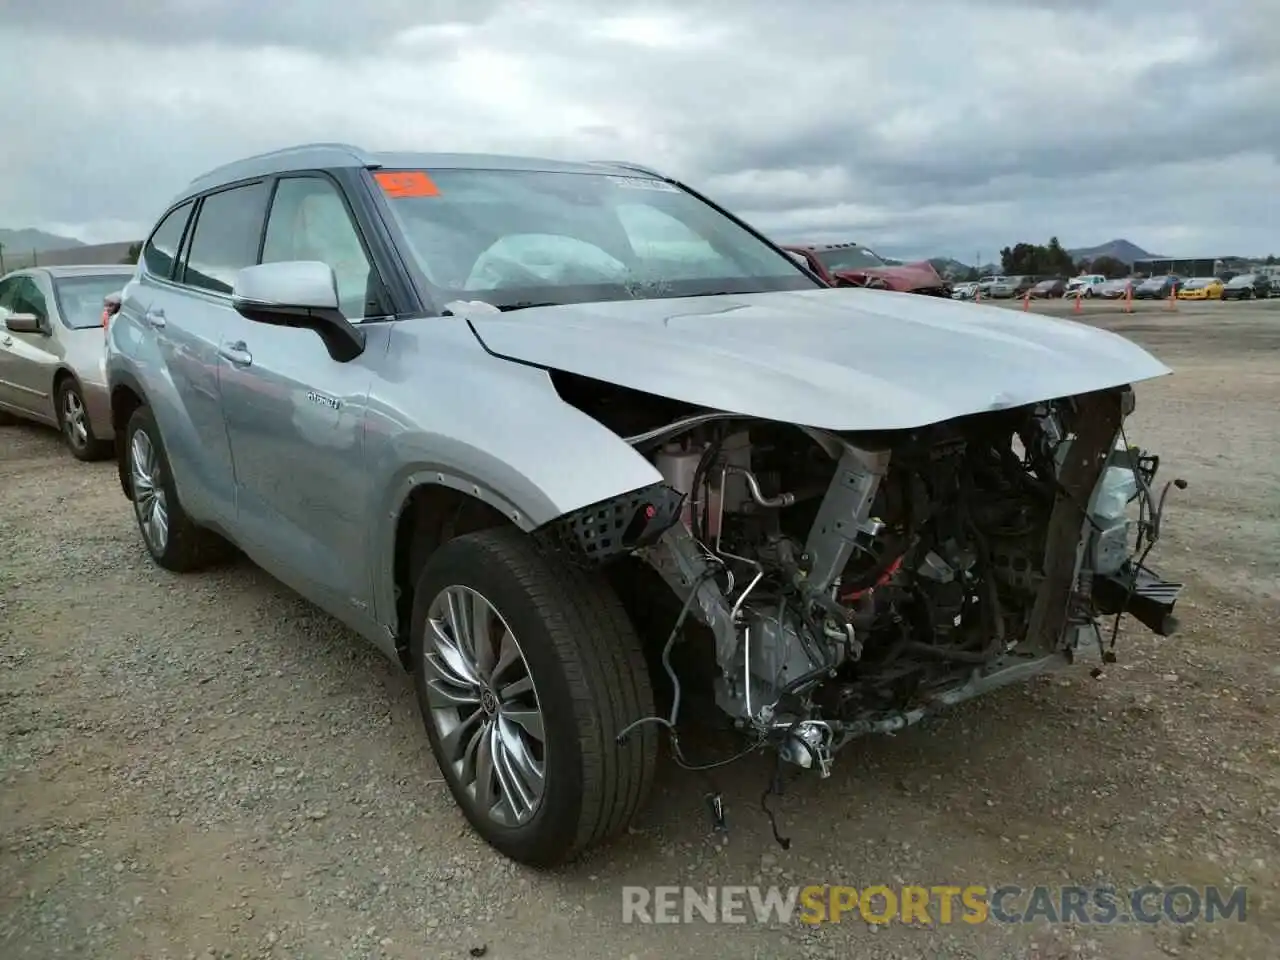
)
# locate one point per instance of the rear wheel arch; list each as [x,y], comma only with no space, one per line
[125,399]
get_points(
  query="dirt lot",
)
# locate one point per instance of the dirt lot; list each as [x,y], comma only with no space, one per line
[205,766]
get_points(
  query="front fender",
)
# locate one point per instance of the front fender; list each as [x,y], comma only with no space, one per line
[448,413]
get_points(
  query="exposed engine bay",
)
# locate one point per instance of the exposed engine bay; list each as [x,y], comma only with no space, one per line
[853,583]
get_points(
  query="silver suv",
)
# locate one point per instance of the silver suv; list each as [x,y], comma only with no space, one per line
[552,434]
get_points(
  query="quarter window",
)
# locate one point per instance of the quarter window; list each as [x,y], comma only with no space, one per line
[161,251]
[310,221]
[226,235]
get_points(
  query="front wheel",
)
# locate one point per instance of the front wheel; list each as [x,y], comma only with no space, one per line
[526,671]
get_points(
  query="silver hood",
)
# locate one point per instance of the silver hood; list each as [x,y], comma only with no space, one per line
[839,359]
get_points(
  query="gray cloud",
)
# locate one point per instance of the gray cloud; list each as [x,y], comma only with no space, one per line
[971,126]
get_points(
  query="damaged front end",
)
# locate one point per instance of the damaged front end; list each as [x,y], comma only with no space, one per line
[855,583]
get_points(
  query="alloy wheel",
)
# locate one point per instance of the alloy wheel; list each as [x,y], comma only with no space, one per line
[149,499]
[484,706]
[75,423]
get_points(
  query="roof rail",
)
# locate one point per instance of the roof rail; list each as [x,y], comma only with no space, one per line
[628,165]
[360,156]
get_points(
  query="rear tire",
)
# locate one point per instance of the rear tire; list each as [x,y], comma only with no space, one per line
[172,538]
[73,421]
[574,670]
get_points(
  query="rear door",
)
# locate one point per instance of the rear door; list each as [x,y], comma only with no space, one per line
[295,415]
[222,240]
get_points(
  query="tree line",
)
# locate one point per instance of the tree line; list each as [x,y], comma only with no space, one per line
[1052,260]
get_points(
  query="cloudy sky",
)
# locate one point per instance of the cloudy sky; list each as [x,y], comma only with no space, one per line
[951,129]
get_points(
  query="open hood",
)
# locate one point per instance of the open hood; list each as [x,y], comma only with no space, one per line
[840,359]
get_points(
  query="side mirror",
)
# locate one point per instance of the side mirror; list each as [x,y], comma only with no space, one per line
[298,293]
[23,323]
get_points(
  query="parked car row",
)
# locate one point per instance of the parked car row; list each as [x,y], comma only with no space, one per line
[1240,287]
[525,424]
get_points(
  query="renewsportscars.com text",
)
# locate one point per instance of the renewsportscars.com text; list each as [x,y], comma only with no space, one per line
[934,905]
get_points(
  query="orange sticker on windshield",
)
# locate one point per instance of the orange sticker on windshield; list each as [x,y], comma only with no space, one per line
[406,183]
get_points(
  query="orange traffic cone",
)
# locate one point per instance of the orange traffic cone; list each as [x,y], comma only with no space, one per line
[1173,298]
[977,293]
[1077,307]
[1026,301]
[1128,297]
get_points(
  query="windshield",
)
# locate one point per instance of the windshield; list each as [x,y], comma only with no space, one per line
[516,238]
[1243,280]
[1196,284]
[848,258]
[80,298]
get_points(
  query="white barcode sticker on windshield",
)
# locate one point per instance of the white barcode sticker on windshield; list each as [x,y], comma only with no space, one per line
[644,183]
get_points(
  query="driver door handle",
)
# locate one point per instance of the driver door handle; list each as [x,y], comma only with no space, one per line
[237,353]
[155,317]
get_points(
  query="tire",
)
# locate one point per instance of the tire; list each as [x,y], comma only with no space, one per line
[184,545]
[73,421]
[586,680]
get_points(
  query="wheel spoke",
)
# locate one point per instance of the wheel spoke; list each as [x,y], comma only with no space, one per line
[517,688]
[460,744]
[528,767]
[443,694]
[530,721]
[459,624]
[486,798]
[481,618]
[454,663]
[517,794]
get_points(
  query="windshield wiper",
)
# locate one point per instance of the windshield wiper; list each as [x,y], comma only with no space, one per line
[525,305]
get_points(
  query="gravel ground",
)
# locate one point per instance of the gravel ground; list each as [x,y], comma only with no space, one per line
[205,766]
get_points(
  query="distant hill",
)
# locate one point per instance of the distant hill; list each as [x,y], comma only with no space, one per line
[1121,250]
[24,241]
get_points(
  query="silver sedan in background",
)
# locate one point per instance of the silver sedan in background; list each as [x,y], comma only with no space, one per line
[52,340]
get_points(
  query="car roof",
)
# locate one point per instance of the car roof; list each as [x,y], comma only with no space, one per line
[89,270]
[75,270]
[321,156]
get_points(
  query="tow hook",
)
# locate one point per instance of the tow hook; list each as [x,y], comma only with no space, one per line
[809,745]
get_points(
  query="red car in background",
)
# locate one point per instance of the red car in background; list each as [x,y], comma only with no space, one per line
[853,265]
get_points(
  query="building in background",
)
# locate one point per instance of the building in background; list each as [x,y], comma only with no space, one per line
[1191,266]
